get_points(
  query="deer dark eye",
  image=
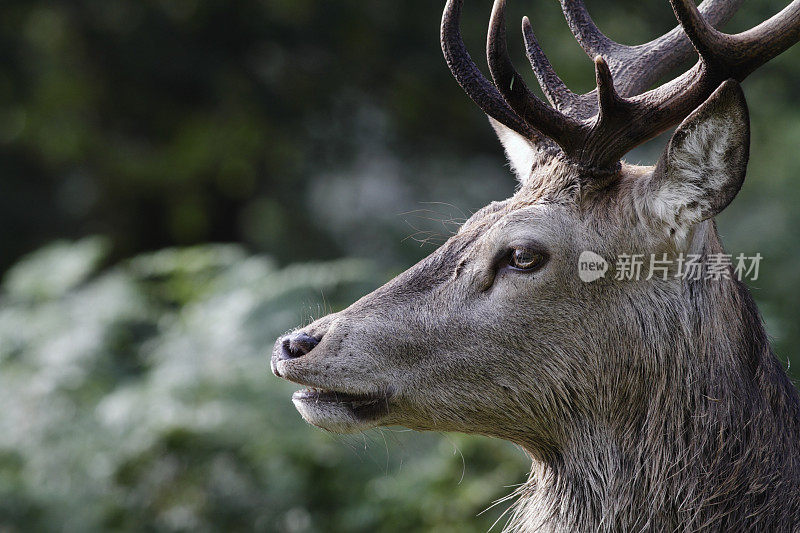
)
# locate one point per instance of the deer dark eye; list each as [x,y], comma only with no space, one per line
[525,259]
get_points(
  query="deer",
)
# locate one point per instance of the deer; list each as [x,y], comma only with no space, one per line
[648,404]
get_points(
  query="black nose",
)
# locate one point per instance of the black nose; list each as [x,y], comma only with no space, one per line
[295,345]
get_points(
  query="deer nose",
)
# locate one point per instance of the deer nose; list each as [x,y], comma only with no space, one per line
[295,345]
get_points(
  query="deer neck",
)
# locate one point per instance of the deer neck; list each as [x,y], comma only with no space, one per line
[711,443]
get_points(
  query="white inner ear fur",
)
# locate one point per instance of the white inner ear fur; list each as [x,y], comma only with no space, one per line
[519,150]
[696,171]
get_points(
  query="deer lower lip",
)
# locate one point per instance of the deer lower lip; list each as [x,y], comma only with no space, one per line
[328,396]
[362,407]
[341,412]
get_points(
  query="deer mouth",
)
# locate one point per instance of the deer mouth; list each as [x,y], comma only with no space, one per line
[341,412]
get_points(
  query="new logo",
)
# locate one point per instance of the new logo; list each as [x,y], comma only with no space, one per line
[591,266]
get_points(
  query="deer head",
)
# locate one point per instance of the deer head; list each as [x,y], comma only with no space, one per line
[496,334]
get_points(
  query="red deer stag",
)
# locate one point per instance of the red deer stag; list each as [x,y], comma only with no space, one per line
[652,403]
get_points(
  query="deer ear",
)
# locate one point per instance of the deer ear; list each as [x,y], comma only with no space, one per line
[520,151]
[703,166]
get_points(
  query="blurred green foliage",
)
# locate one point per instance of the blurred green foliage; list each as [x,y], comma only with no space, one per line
[170,122]
[136,389]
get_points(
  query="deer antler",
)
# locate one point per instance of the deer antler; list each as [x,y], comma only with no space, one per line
[635,68]
[597,128]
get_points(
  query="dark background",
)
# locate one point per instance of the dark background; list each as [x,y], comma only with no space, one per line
[133,133]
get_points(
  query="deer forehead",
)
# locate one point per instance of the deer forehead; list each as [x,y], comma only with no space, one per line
[560,204]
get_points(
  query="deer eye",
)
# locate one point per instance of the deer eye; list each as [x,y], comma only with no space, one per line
[525,259]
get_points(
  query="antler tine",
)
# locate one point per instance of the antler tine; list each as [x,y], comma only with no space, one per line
[607,98]
[589,37]
[511,86]
[470,78]
[554,89]
[635,68]
[557,93]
